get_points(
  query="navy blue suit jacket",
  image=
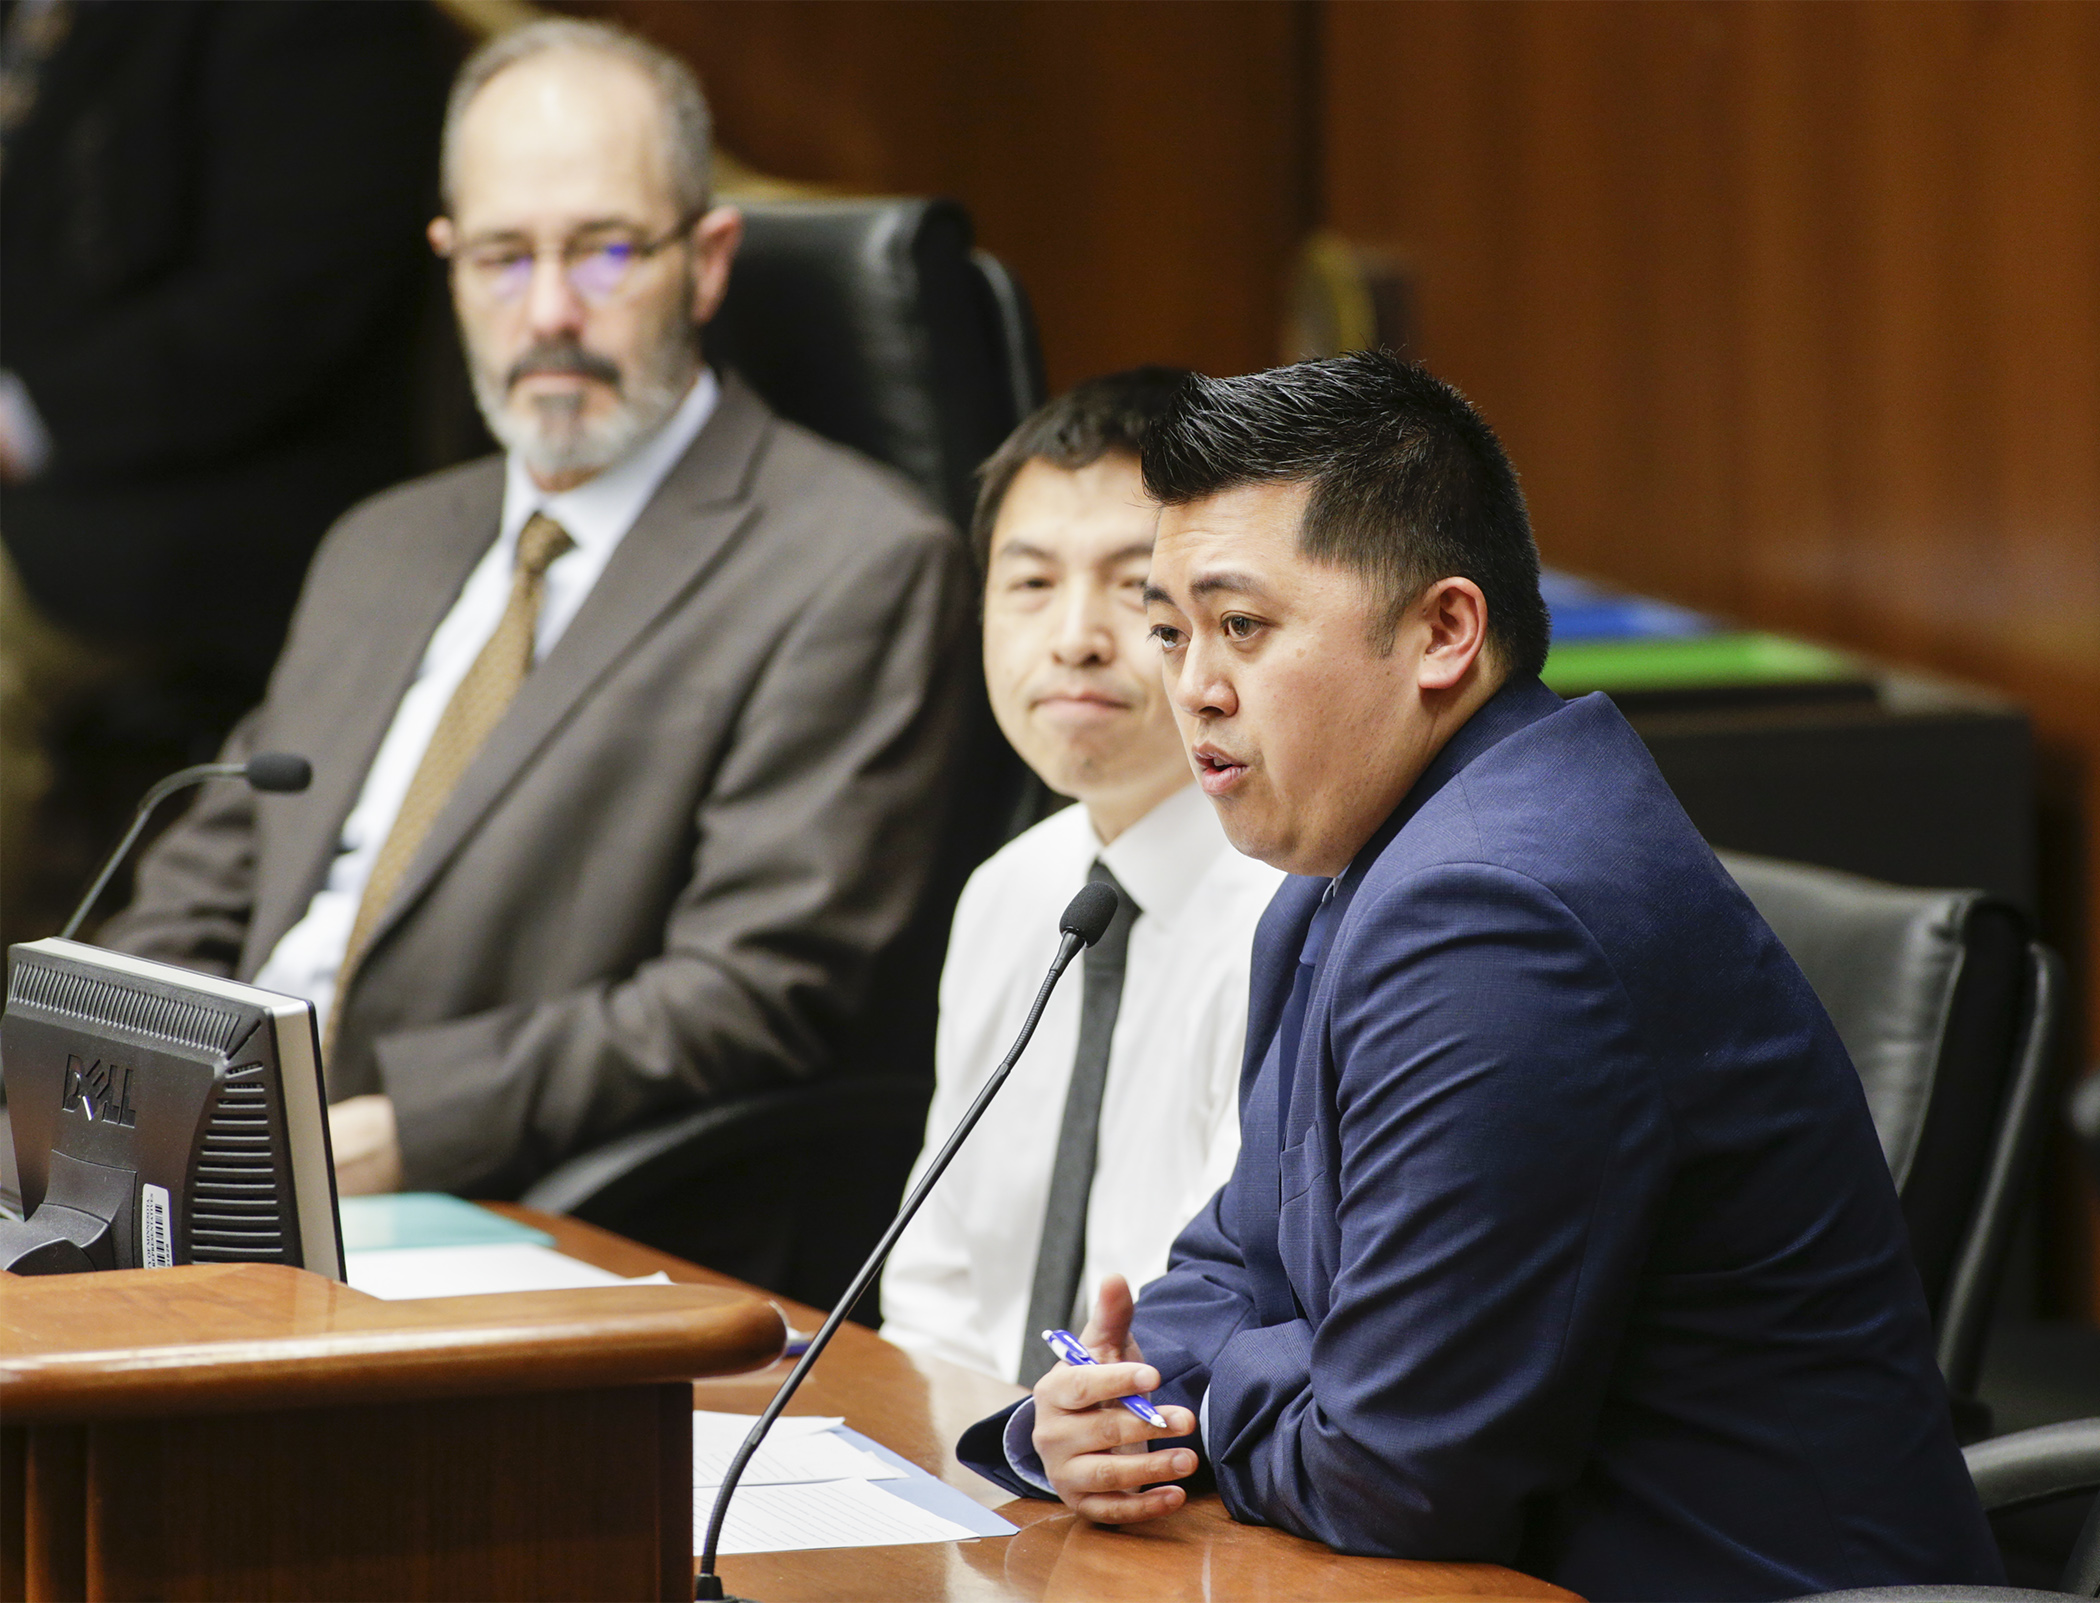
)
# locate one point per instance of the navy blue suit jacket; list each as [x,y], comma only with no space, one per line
[1570,1245]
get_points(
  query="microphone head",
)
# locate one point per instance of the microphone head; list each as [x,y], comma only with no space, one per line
[1088,913]
[278,770]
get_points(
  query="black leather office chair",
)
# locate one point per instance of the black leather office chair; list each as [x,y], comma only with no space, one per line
[2011,1472]
[1950,1012]
[877,324]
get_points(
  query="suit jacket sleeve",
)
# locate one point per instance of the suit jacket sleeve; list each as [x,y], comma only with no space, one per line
[1501,1153]
[815,841]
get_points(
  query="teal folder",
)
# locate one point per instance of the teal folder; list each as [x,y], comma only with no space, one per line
[427,1219]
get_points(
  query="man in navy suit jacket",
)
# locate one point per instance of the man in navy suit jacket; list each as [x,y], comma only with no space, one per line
[1560,1236]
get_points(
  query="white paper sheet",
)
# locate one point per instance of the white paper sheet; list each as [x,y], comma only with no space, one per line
[733,1428]
[400,1273]
[801,1455]
[851,1513]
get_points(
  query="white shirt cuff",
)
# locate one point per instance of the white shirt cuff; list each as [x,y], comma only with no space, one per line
[1019,1443]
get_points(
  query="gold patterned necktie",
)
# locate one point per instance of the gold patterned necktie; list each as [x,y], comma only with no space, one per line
[475,709]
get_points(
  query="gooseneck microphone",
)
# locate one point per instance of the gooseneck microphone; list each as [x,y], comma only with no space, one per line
[266,770]
[1084,922]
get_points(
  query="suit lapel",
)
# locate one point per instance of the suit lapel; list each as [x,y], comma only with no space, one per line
[1256,1183]
[679,535]
[1277,942]
[373,659]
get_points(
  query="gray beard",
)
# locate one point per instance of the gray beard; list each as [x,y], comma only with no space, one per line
[552,437]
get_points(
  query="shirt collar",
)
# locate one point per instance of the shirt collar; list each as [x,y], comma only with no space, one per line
[600,511]
[1161,858]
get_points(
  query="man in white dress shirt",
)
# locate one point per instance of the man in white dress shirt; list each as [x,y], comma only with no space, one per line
[1122,1118]
[632,748]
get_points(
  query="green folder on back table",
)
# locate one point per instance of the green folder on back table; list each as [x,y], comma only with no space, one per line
[1742,661]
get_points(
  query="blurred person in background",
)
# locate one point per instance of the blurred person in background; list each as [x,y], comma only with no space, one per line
[1124,1118]
[633,745]
[211,286]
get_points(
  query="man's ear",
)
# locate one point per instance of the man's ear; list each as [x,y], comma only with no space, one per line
[715,239]
[441,235]
[1454,614]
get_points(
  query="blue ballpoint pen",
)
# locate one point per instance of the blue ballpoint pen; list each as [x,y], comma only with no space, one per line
[1066,1346]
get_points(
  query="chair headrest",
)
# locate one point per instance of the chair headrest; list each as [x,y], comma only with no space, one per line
[874,323]
[1889,964]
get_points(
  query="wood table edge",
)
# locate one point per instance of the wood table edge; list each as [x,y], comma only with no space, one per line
[588,1338]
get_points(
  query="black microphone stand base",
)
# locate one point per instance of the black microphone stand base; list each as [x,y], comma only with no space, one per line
[708,1589]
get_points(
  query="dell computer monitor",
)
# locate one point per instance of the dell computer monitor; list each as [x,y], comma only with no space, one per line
[161,1117]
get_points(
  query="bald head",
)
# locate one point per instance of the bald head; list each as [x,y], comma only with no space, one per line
[572,133]
[592,53]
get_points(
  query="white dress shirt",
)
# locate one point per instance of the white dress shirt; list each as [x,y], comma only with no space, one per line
[597,515]
[960,1280]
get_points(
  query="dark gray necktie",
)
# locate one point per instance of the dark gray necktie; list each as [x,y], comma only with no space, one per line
[1063,1252]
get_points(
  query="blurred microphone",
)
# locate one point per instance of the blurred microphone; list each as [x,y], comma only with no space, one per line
[1084,922]
[266,770]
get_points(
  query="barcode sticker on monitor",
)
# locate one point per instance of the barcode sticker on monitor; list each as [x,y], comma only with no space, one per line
[157,1246]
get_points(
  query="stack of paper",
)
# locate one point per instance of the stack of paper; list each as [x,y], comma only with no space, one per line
[817,1484]
[406,1272]
[424,1244]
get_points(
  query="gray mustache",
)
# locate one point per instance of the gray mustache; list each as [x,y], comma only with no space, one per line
[563,356]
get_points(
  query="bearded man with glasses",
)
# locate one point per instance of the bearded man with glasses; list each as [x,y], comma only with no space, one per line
[632,746]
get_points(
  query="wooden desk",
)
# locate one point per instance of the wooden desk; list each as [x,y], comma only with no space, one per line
[253,1431]
[919,1406]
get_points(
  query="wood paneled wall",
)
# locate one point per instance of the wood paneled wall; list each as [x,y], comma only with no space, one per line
[1786,310]
[1142,165]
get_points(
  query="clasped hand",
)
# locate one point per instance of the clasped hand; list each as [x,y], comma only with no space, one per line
[1093,1448]
[366,1144]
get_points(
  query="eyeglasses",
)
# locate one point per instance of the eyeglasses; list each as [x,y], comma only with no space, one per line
[596,263]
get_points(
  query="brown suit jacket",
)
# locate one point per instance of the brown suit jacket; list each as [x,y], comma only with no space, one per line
[675,868]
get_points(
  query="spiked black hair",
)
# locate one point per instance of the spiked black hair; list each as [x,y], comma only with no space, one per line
[1409,484]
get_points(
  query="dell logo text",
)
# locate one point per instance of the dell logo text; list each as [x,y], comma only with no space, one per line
[101,1090]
